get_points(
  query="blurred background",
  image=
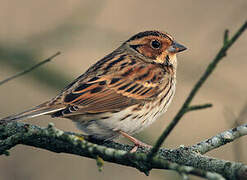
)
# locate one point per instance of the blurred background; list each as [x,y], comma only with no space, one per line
[85,31]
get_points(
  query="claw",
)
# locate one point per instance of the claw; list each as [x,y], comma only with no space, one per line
[137,142]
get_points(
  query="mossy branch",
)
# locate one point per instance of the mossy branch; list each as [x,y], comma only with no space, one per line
[185,160]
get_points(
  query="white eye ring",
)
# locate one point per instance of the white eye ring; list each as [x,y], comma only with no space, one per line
[155,44]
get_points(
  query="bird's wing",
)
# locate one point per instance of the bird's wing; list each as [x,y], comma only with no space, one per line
[127,85]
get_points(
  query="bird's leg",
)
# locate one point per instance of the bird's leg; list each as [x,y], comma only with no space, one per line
[137,142]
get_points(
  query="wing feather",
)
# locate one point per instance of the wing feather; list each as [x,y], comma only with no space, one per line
[114,90]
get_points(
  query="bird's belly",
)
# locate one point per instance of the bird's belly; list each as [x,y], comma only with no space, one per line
[130,120]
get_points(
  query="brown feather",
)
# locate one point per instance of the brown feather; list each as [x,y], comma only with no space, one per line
[114,90]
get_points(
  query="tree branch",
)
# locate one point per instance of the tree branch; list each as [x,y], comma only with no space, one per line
[184,159]
[226,36]
[221,139]
[211,67]
[29,69]
[198,107]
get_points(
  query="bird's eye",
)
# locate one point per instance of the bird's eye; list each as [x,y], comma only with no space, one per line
[155,44]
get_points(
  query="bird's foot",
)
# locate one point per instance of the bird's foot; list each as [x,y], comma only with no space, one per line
[136,142]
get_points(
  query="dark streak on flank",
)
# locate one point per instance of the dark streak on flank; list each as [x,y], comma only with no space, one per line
[125,117]
[134,117]
[168,84]
[144,121]
[139,117]
[115,62]
[146,114]
[95,90]
[156,113]
[169,98]
[124,86]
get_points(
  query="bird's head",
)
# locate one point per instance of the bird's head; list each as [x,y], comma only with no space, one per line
[155,46]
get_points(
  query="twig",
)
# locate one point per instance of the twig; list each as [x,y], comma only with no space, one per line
[207,73]
[220,139]
[183,160]
[29,69]
[226,36]
[198,107]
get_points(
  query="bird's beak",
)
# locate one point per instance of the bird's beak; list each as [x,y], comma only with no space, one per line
[176,47]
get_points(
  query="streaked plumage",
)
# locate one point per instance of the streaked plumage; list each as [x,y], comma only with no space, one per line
[125,91]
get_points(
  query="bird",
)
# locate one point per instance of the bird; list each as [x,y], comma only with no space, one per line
[121,94]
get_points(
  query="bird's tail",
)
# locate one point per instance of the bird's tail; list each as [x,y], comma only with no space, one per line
[34,112]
